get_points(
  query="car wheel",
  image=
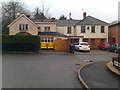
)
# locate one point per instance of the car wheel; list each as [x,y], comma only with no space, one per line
[108,50]
[115,51]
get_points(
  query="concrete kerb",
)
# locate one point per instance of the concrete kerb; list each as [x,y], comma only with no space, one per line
[80,78]
[112,68]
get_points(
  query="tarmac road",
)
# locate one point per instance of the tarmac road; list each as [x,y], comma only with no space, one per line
[96,75]
[46,69]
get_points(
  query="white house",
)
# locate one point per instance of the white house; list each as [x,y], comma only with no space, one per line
[89,29]
[23,25]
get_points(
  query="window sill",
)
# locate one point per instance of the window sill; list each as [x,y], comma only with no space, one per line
[23,30]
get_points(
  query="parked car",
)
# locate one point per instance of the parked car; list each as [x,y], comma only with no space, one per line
[118,48]
[104,46]
[82,46]
[114,47]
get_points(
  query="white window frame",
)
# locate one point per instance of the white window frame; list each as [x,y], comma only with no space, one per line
[23,26]
[69,30]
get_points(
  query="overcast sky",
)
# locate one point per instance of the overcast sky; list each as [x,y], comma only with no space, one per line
[106,10]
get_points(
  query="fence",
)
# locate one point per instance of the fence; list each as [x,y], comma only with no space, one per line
[61,45]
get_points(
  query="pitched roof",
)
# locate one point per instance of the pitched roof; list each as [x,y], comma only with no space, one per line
[52,34]
[67,22]
[19,18]
[89,20]
[23,33]
[114,24]
[39,20]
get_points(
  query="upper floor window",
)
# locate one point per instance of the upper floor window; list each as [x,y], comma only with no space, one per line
[23,26]
[93,29]
[102,29]
[69,30]
[47,29]
[82,29]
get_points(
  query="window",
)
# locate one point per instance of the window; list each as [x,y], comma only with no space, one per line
[23,26]
[69,30]
[102,41]
[85,40]
[43,40]
[92,41]
[82,29]
[102,29]
[93,29]
[49,39]
[47,29]
[52,39]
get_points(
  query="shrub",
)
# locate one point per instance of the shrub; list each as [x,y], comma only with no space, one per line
[20,43]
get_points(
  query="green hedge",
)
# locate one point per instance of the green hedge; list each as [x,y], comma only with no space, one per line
[20,43]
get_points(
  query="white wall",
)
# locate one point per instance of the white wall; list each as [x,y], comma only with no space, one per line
[14,29]
[88,33]
[42,25]
[63,30]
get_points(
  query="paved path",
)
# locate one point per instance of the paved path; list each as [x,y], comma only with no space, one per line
[97,75]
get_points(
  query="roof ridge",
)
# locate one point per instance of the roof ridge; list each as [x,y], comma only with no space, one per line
[22,15]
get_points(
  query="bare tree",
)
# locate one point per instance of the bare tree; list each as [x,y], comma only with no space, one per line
[10,11]
[62,17]
[41,13]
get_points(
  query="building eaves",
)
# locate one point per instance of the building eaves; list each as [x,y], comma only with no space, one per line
[52,34]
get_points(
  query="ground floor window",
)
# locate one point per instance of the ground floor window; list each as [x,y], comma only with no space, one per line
[74,41]
[85,40]
[93,42]
[47,39]
[113,40]
[102,41]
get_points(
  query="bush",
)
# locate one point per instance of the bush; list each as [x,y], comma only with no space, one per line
[20,43]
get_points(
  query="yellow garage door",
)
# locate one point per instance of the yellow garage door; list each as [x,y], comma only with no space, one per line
[47,43]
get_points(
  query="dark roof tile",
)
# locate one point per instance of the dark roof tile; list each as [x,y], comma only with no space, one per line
[52,34]
[67,22]
[89,20]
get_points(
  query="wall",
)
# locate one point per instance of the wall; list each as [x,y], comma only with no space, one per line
[42,25]
[88,33]
[114,32]
[63,30]
[14,29]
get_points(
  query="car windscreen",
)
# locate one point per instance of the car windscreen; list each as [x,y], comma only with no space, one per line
[84,43]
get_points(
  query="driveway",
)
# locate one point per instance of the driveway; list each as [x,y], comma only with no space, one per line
[47,69]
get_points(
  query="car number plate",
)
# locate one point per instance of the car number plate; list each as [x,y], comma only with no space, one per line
[116,63]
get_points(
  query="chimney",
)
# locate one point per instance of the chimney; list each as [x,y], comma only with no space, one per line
[52,19]
[84,15]
[69,15]
[28,16]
